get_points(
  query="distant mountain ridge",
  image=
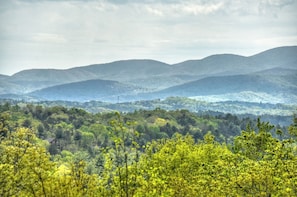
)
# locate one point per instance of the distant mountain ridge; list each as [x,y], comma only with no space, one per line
[270,72]
[104,90]
[261,83]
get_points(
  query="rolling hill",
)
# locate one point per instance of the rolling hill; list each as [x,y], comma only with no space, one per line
[278,83]
[271,73]
[31,80]
[229,64]
[103,90]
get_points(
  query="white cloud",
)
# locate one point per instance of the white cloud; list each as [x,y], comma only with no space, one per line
[106,7]
[154,11]
[277,3]
[197,9]
[72,33]
[273,7]
[49,38]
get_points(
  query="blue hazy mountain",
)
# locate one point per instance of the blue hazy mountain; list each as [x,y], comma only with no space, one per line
[271,72]
[103,90]
[277,82]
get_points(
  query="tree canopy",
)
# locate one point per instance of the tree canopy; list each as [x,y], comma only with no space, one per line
[69,152]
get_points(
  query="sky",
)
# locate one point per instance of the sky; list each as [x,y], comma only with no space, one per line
[62,34]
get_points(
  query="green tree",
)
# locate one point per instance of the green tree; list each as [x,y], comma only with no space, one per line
[255,145]
[293,128]
[4,125]
[25,166]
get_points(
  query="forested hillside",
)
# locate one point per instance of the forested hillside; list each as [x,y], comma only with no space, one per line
[268,77]
[281,114]
[58,151]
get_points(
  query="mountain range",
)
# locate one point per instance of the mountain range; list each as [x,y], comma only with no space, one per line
[270,75]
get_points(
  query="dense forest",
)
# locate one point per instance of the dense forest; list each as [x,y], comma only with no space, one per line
[274,113]
[59,151]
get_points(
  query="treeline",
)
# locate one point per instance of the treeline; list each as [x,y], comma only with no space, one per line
[274,113]
[58,151]
[75,129]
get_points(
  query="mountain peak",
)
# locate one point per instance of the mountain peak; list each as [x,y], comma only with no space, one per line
[146,75]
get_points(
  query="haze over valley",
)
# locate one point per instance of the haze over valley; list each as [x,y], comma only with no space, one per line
[148,98]
[269,77]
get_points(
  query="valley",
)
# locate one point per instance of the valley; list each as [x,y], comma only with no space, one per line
[271,73]
[264,84]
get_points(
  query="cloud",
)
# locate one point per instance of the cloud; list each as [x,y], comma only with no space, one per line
[78,32]
[49,38]
[154,11]
[197,9]
[272,7]
[277,3]
[145,1]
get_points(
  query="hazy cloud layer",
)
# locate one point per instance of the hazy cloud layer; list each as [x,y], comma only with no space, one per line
[62,34]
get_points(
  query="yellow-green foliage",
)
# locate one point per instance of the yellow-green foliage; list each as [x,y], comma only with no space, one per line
[26,170]
[178,167]
[257,165]
[25,167]
[160,121]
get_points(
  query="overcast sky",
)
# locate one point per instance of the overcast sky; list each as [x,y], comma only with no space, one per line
[68,33]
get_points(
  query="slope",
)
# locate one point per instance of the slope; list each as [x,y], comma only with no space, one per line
[153,75]
[229,64]
[34,79]
[103,90]
[267,82]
